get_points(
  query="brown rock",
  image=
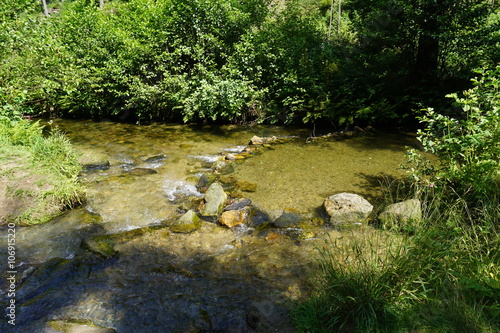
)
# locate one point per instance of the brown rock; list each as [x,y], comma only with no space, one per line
[232,218]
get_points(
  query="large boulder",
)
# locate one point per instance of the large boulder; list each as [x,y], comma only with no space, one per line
[347,208]
[215,200]
[186,223]
[402,215]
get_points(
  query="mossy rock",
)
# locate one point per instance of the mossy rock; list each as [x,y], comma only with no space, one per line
[102,245]
[246,186]
[187,223]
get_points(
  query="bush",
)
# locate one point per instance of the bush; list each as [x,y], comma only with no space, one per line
[466,142]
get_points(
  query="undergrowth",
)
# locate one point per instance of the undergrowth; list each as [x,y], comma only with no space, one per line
[27,151]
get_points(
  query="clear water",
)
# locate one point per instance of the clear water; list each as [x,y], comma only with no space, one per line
[209,280]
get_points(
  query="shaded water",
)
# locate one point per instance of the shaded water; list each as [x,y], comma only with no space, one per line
[212,280]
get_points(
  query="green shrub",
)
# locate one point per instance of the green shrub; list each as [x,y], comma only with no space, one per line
[466,142]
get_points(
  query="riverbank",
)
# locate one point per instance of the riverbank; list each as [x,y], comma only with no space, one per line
[38,173]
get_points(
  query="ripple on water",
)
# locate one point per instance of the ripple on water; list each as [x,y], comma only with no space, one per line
[177,189]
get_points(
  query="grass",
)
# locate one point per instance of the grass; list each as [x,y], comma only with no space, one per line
[443,277]
[43,166]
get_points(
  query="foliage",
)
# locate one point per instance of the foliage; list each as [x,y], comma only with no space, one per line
[402,283]
[231,60]
[466,142]
[450,260]
[52,159]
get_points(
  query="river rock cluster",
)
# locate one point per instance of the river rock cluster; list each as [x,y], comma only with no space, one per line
[225,204]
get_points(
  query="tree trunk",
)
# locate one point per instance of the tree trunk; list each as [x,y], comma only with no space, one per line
[427,57]
[45,9]
[101,4]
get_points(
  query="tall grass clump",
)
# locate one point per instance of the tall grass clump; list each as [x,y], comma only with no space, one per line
[39,170]
[444,276]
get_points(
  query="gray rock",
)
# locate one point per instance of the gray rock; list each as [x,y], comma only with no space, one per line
[215,200]
[288,219]
[243,202]
[156,159]
[402,215]
[347,208]
[188,222]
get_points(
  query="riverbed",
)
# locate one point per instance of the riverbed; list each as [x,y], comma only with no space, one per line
[215,279]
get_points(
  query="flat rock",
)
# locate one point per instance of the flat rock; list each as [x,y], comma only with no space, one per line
[347,208]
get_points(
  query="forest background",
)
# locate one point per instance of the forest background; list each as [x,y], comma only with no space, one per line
[299,61]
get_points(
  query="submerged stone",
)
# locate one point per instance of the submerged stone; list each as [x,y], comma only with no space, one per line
[222,167]
[93,161]
[288,219]
[246,186]
[102,245]
[58,238]
[156,159]
[205,180]
[188,222]
[142,172]
[347,208]
[215,200]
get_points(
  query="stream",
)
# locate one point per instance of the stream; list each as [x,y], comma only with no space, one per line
[215,279]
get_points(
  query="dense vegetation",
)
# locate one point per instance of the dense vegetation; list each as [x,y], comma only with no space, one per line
[241,61]
[441,274]
[38,172]
[383,61]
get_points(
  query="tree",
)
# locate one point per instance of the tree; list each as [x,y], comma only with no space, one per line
[45,9]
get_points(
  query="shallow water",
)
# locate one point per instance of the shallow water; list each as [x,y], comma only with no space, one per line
[212,280]
[301,175]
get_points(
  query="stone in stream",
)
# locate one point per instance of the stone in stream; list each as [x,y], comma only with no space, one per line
[156,159]
[102,245]
[59,238]
[92,161]
[255,140]
[241,203]
[402,215]
[141,172]
[188,222]
[222,167]
[215,200]
[233,218]
[347,208]
[288,219]
[205,180]
[246,186]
